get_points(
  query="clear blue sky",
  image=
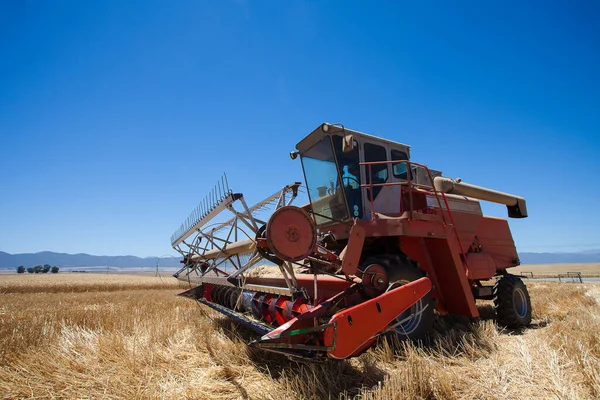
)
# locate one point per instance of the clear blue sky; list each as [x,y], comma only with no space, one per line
[117,116]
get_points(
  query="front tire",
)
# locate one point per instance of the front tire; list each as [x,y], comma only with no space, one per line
[418,319]
[512,302]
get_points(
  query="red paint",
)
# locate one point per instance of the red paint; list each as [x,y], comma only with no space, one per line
[355,327]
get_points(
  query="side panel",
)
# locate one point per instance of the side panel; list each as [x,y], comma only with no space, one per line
[386,202]
[481,266]
[466,214]
[495,239]
[441,259]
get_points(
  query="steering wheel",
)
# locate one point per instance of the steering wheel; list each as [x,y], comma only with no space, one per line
[350,178]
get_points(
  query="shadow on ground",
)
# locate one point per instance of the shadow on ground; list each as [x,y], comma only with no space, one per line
[309,379]
[452,336]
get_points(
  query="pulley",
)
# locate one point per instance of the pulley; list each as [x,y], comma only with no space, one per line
[291,233]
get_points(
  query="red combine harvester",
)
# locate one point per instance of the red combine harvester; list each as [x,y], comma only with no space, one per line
[382,246]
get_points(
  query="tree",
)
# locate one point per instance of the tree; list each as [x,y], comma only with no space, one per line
[38,269]
[31,270]
[21,269]
[54,269]
[46,268]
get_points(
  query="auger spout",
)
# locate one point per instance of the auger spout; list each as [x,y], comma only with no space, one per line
[516,205]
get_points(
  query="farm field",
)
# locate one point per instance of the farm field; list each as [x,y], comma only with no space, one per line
[129,336]
[589,269]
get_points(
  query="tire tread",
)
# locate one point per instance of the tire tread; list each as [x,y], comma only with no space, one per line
[503,302]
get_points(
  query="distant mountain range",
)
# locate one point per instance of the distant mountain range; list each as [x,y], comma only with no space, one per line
[63,260]
[10,261]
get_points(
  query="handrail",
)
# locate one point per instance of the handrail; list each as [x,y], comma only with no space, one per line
[410,184]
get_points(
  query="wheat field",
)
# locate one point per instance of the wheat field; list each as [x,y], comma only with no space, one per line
[586,269]
[131,337]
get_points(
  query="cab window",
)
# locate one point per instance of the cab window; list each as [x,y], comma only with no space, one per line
[379,172]
[399,169]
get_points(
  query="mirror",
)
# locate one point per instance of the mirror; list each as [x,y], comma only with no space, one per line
[348,144]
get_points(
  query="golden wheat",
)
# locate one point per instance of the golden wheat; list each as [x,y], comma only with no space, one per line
[116,336]
[91,282]
[586,269]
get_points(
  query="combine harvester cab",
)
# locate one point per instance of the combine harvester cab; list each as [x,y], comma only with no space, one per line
[383,244]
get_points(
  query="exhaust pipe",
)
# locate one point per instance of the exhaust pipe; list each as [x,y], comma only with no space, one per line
[515,204]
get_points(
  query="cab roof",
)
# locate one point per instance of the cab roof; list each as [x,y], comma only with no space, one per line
[326,129]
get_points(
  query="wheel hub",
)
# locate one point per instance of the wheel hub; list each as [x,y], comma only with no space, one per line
[375,279]
[409,320]
[520,303]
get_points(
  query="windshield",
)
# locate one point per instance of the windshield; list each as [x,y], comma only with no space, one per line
[322,181]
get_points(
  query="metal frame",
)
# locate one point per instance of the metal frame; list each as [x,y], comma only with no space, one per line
[212,250]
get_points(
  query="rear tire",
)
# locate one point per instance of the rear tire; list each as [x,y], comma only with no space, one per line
[512,302]
[400,271]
